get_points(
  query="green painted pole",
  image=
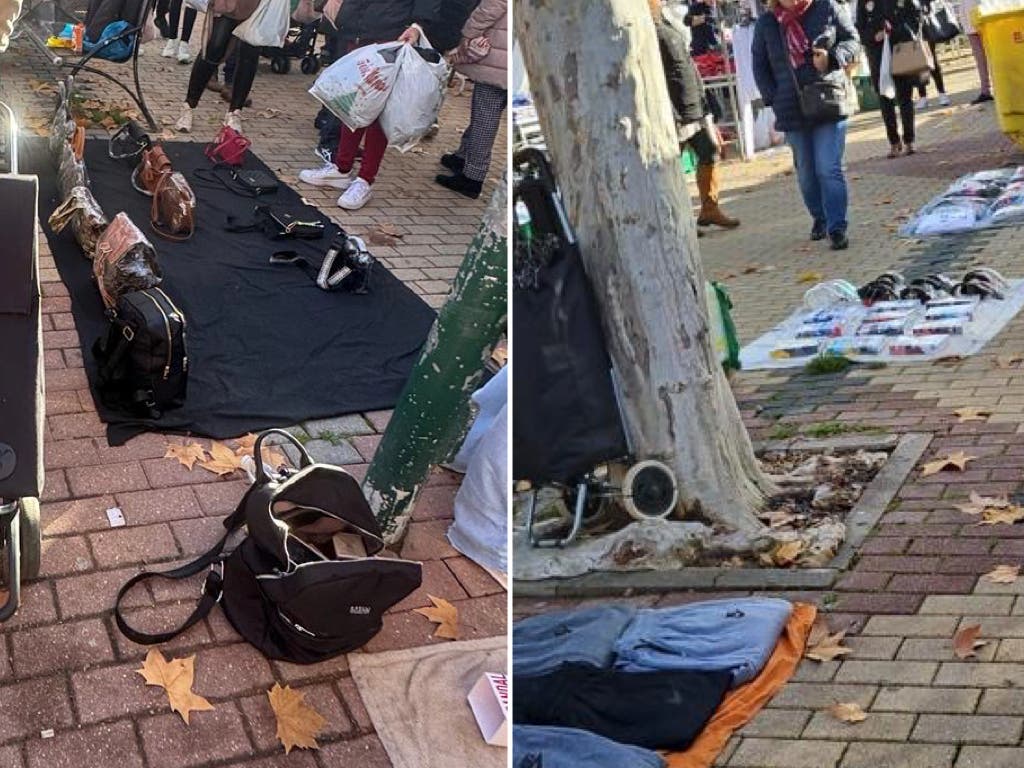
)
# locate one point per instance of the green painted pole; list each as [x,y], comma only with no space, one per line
[433,412]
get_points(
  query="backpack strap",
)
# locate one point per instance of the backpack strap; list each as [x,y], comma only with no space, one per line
[212,588]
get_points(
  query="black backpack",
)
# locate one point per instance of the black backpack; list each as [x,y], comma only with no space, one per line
[304,584]
[143,361]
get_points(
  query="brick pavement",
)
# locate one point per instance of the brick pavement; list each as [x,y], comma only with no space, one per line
[917,579]
[63,665]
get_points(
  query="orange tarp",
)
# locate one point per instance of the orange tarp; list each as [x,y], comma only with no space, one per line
[740,705]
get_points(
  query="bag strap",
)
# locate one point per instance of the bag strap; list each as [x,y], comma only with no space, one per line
[210,175]
[154,215]
[213,588]
[305,459]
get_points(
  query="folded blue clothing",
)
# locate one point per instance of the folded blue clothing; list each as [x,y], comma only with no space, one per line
[542,746]
[543,643]
[736,634]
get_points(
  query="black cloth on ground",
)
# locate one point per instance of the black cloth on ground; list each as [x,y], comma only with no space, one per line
[657,710]
[266,347]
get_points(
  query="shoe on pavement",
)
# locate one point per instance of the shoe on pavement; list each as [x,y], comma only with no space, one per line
[818,230]
[233,120]
[453,162]
[921,104]
[356,196]
[184,54]
[981,98]
[328,176]
[944,100]
[461,184]
[184,124]
[838,241]
[170,49]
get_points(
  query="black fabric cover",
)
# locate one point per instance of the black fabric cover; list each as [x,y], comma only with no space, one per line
[565,418]
[657,710]
[266,346]
[21,358]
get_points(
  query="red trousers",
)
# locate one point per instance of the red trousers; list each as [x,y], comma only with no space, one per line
[371,137]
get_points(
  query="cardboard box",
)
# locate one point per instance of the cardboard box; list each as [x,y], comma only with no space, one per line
[489,702]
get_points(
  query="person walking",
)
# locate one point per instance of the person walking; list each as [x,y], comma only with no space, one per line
[978,50]
[482,56]
[783,56]
[901,21]
[695,127]
[922,86]
[700,19]
[168,26]
[360,23]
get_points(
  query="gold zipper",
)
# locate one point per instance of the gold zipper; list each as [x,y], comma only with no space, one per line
[184,323]
[167,327]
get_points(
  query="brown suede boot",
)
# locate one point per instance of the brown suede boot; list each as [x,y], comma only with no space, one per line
[710,213]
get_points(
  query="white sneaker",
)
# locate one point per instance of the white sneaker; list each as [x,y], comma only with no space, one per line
[328,176]
[170,49]
[233,120]
[922,104]
[184,54]
[184,124]
[944,100]
[356,196]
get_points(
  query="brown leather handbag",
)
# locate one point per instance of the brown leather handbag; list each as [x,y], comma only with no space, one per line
[124,261]
[153,166]
[173,213]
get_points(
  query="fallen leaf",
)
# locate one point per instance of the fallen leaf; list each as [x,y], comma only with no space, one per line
[971,414]
[777,518]
[809,277]
[751,269]
[270,113]
[848,712]
[246,444]
[788,552]
[187,454]
[948,360]
[445,615]
[108,122]
[825,646]
[956,461]
[993,516]
[966,642]
[222,461]
[978,503]
[41,86]
[176,677]
[1003,574]
[297,723]
[1009,361]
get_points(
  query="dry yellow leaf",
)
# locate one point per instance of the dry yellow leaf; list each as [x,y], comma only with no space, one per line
[246,444]
[824,646]
[788,552]
[222,461]
[971,414]
[445,615]
[176,677]
[978,503]
[1009,361]
[956,461]
[966,642]
[993,515]
[297,723]
[848,712]
[809,277]
[1003,574]
[187,454]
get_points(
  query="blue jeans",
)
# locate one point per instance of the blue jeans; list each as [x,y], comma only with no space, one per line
[818,156]
[554,747]
[543,643]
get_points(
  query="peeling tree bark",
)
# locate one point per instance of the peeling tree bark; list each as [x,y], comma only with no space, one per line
[601,96]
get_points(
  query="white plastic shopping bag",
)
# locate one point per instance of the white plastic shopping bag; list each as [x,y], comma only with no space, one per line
[886,84]
[268,25]
[356,87]
[416,99]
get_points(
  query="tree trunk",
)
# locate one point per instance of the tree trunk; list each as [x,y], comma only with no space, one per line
[600,93]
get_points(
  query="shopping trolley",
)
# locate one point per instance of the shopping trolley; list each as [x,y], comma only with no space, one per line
[21,371]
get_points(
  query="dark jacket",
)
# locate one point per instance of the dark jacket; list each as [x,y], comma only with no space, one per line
[446,32]
[705,36]
[904,17]
[772,69]
[384,20]
[685,87]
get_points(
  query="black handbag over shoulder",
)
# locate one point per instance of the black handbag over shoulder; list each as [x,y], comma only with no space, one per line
[305,583]
[826,99]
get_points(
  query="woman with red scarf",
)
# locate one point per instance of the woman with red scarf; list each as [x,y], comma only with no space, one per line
[797,42]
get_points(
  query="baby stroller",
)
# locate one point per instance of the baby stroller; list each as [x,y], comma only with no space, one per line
[300,43]
[21,373]
[567,430]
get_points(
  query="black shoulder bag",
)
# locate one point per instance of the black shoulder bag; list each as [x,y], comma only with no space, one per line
[823,100]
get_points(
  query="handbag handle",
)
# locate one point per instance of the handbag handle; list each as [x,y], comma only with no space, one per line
[305,459]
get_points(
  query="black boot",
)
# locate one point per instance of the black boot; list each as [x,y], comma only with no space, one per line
[462,185]
[453,163]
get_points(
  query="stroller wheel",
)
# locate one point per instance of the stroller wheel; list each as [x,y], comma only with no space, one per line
[649,490]
[280,65]
[309,65]
[31,544]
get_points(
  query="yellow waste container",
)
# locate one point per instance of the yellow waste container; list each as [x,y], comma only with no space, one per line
[1002,33]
